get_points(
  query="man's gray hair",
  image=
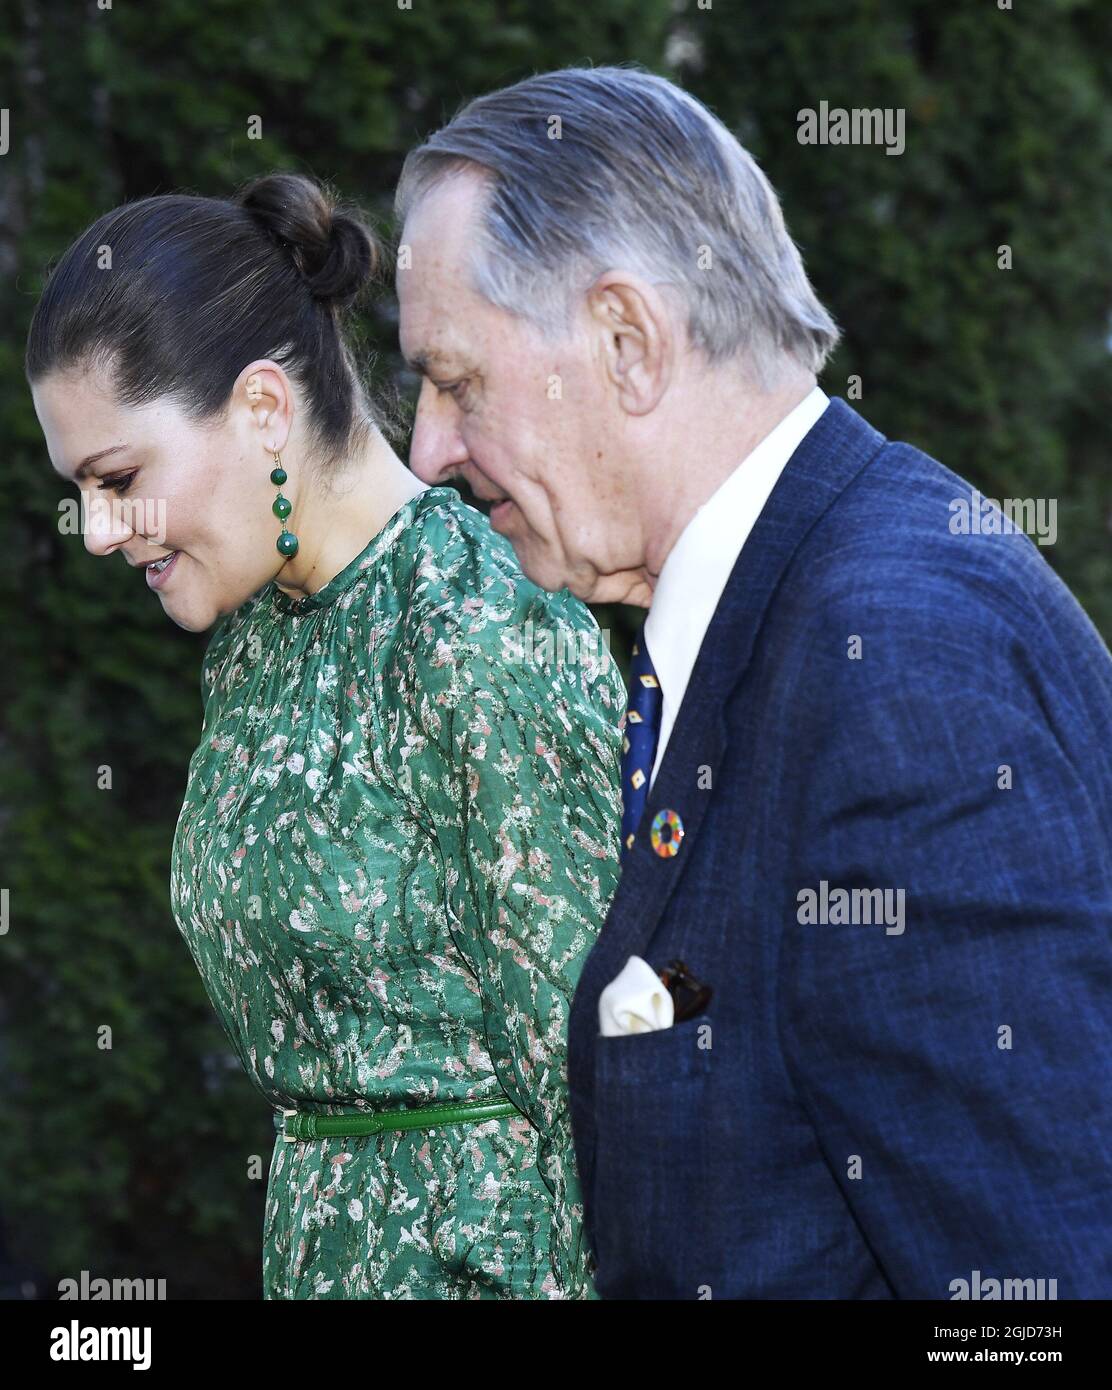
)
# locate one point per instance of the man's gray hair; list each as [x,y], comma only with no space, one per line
[598,168]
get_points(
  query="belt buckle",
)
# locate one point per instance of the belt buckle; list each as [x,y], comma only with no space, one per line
[289,1138]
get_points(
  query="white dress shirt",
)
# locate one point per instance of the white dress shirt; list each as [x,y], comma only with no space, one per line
[699,564]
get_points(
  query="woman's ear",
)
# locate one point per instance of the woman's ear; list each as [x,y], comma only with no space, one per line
[265,391]
[636,340]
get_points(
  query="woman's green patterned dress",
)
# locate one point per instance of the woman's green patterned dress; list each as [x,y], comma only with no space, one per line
[399,841]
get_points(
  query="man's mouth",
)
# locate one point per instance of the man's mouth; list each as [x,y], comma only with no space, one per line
[498,502]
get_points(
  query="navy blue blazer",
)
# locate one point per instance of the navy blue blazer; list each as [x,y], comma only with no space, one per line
[868,1109]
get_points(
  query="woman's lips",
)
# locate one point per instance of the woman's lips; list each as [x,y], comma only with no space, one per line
[500,511]
[156,578]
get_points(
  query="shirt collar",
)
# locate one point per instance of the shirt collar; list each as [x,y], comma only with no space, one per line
[697,567]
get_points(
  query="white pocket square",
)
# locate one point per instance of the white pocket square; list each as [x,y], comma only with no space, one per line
[635,1001]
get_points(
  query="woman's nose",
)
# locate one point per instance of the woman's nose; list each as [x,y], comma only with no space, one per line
[108,524]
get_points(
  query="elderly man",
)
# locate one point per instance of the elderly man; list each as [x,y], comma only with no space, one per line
[868,798]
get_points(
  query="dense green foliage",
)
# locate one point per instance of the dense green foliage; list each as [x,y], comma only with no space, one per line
[134,1160]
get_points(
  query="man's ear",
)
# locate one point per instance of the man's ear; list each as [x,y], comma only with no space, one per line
[264,389]
[635,336]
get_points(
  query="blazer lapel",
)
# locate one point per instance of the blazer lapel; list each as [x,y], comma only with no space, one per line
[827,460]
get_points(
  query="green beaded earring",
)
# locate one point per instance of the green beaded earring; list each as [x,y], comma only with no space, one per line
[287,541]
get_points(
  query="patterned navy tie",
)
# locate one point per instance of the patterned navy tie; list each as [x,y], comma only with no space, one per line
[641,735]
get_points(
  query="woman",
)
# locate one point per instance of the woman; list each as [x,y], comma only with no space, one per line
[400,831]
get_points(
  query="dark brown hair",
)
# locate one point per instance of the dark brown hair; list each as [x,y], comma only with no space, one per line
[198,287]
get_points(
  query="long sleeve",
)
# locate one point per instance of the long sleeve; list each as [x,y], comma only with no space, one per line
[953,1054]
[525,811]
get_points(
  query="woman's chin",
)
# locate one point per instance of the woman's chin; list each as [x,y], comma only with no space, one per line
[191,617]
[188,622]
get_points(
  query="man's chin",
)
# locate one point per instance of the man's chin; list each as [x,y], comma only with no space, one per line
[535,566]
[628,587]
[537,563]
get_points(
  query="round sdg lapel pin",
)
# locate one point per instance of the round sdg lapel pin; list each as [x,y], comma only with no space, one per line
[666,833]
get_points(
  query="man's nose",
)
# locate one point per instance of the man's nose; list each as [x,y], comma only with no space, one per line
[108,524]
[436,450]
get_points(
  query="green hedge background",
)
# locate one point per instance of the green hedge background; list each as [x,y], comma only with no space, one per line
[134,1161]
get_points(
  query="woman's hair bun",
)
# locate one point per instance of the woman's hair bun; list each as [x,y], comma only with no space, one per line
[332,246]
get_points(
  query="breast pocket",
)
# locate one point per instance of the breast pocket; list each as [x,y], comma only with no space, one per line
[652,1176]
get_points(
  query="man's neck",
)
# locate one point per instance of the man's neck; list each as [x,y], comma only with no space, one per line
[733,430]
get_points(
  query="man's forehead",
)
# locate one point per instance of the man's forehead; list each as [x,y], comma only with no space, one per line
[438,239]
[424,321]
[434,285]
[451,202]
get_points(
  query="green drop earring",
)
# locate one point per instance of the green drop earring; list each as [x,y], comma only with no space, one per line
[287,541]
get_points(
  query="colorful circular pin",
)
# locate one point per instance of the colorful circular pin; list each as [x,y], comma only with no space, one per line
[666,833]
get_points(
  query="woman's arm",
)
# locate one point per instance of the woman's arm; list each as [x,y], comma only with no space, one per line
[525,805]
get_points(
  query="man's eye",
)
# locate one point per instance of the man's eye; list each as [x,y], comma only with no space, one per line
[119,484]
[454,388]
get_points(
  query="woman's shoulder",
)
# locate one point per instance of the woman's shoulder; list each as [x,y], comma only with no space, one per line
[469,607]
[458,555]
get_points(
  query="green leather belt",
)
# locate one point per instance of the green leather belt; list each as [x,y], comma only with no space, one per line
[293,1125]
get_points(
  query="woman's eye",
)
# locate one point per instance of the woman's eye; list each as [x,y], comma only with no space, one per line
[118,484]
